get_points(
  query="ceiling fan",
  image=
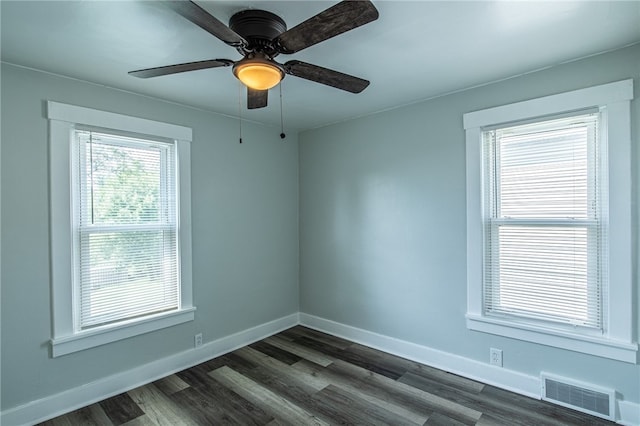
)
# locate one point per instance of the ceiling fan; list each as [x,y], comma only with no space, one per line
[259,36]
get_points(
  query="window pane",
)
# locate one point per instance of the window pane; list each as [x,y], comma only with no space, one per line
[543,272]
[127,274]
[123,183]
[543,170]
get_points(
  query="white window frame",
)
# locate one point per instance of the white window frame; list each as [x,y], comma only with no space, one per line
[613,99]
[63,119]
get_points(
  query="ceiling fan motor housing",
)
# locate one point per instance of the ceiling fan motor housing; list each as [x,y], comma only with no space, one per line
[259,28]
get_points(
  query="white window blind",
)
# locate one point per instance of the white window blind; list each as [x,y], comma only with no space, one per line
[125,228]
[544,228]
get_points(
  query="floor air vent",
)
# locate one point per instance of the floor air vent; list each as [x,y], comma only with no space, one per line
[579,396]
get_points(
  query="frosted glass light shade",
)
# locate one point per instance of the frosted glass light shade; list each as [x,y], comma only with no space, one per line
[258,74]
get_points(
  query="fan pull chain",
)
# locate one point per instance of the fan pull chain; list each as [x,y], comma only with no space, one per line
[240,111]
[282,135]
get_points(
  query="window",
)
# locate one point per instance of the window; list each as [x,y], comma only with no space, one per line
[549,221]
[124,228]
[120,226]
[544,224]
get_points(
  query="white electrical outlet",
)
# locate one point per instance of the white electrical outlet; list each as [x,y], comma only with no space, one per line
[495,357]
[198,340]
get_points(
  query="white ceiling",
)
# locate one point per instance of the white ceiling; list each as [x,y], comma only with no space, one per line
[415,50]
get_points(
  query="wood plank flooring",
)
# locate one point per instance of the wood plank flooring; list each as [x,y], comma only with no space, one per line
[304,377]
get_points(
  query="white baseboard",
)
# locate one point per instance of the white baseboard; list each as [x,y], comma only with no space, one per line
[628,412]
[72,399]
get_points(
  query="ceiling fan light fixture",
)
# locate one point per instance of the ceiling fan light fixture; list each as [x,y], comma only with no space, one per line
[258,73]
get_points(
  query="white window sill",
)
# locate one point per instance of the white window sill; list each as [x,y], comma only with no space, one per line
[598,346]
[100,336]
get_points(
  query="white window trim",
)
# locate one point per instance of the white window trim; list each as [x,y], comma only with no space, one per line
[62,120]
[618,343]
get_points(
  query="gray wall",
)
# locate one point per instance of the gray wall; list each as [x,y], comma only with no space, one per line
[245,234]
[382,222]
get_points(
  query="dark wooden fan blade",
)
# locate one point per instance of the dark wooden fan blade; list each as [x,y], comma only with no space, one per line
[206,21]
[256,98]
[326,76]
[335,20]
[174,69]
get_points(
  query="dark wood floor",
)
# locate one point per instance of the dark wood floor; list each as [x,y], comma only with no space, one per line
[302,376]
